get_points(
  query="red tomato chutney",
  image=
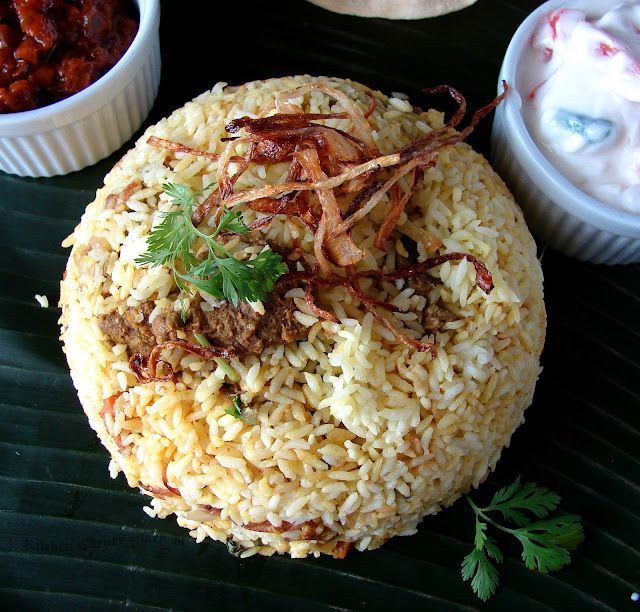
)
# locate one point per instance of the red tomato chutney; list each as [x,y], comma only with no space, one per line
[51,49]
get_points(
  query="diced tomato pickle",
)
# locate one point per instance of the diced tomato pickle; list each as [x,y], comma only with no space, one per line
[51,49]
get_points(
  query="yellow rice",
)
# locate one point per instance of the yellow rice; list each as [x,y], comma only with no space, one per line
[348,428]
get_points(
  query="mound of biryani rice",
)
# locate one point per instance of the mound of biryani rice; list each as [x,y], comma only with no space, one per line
[380,353]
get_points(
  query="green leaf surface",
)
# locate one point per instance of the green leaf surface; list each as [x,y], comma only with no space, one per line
[482,573]
[513,502]
[236,408]
[231,221]
[219,273]
[546,544]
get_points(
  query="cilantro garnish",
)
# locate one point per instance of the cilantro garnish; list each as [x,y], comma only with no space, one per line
[220,274]
[236,410]
[546,542]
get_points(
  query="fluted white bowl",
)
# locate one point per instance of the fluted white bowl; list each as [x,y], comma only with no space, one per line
[556,210]
[91,124]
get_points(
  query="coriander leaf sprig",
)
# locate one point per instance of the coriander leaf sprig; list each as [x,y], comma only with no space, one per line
[170,244]
[236,410]
[546,542]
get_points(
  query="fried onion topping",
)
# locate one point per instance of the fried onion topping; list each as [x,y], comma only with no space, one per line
[336,179]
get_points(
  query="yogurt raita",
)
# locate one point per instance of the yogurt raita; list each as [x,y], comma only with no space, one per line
[580,89]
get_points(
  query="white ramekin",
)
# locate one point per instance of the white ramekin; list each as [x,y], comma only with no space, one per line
[556,210]
[92,124]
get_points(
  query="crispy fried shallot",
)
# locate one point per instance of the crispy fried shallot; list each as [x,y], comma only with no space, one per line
[314,308]
[225,180]
[417,234]
[418,147]
[138,365]
[279,121]
[163,143]
[296,206]
[483,276]
[165,491]
[273,191]
[342,250]
[353,287]
[165,481]
[364,210]
[456,118]
[118,201]
[210,509]
[372,105]
[272,140]
[326,166]
[147,370]
[309,530]
[337,151]
[423,147]
[351,284]
[397,207]
[267,527]
[423,151]
[361,128]
[364,194]
[157,491]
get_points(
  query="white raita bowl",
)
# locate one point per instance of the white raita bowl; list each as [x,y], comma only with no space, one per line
[557,211]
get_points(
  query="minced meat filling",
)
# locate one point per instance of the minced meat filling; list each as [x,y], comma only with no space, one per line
[226,326]
[434,316]
[126,329]
[241,328]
